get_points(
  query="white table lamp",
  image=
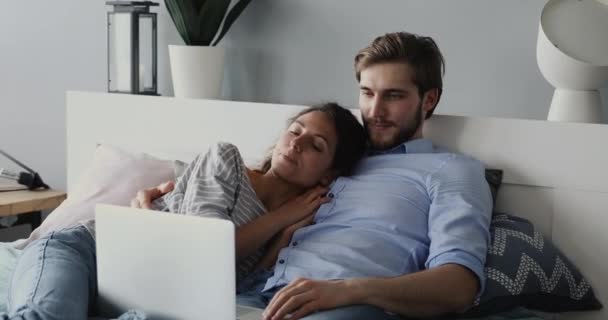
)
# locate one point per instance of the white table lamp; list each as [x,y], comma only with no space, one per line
[572,54]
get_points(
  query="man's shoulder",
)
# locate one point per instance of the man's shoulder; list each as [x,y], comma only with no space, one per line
[457,167]
[459,162]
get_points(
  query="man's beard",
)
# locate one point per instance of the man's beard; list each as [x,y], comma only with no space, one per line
[404,134]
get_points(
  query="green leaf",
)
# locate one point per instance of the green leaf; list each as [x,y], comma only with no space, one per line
[211,16]
[178,19]
[188,11]
[198,21]
[198,4]
[232,16]
[184,16]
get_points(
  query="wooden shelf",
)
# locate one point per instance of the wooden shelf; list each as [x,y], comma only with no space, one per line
[23,201]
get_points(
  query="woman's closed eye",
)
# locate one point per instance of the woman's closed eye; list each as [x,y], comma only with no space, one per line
[319,144]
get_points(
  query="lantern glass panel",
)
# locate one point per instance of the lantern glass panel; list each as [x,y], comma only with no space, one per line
[119,43]
[146,53]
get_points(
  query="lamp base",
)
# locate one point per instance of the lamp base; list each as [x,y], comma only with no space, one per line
[576,106]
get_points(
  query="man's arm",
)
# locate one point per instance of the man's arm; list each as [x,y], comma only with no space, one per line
[458,228]
[449,288]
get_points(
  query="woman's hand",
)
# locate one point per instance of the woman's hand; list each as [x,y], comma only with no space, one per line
[145,197]
[256,233]
[288,232]
[300,208]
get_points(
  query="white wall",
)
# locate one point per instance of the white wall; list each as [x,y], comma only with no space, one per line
[46,47]
[302,51]
[289,51]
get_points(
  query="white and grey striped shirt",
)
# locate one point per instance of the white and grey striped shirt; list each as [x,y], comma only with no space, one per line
[216,185]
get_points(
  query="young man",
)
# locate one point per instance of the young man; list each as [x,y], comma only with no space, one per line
[408,233]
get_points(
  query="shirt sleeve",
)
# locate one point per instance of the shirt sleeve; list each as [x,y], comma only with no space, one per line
[459,216]
[160,204]
[209,185]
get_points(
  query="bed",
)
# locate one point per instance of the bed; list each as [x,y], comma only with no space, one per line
[554,173]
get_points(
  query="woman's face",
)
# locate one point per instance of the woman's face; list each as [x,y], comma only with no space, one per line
[305,151]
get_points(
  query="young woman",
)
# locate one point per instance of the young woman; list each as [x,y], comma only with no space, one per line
[56,276]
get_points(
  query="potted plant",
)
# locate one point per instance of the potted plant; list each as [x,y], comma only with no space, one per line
[197,68]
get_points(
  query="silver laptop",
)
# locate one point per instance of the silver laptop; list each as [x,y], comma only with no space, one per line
[168,266]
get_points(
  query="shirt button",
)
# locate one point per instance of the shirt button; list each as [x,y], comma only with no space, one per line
[330,195]
[281,261]
[295,243]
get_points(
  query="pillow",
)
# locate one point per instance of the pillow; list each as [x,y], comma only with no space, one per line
[525,269]
[179,168]
[113,177]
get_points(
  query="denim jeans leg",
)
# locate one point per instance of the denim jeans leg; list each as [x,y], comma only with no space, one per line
[355,312]
[249,291]
[55,278]
[251,299]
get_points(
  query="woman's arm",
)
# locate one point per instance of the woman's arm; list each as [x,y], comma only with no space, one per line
[293,215]
[253,235]
[272,252]
[144,198]
[280,241]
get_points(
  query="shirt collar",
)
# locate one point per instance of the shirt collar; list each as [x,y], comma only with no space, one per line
[413,146]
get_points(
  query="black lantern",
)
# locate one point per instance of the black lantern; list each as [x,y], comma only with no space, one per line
[132,49]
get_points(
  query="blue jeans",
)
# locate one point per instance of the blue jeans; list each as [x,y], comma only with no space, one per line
[56,279]
[249,293]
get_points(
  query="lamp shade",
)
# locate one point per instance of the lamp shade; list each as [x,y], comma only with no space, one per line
[572,54]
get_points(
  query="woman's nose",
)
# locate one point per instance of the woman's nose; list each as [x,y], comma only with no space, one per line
[296,144]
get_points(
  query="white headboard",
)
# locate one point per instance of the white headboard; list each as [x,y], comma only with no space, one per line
[554,173]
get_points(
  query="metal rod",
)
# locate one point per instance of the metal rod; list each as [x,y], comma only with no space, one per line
[17,162]
[135,53]
[109,26]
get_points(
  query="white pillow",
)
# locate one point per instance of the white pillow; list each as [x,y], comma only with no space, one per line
[113,177]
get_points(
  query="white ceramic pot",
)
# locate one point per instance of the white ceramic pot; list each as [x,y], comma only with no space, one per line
[197,71]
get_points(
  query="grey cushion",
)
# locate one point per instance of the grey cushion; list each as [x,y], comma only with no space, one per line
[525,269]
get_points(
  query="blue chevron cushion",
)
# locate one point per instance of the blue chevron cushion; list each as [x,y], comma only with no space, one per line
[525,269]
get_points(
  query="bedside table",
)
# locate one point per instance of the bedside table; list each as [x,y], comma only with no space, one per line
[27,205]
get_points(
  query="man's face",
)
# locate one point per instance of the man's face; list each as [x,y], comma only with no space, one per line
[391,107]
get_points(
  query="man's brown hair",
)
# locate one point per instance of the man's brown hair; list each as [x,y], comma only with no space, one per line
[421,53]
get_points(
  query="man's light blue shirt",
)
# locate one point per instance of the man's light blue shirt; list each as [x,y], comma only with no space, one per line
[413,208]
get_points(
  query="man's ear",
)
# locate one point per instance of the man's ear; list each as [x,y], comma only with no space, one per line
[431,97]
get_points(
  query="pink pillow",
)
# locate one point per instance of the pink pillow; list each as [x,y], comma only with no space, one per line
[113,177]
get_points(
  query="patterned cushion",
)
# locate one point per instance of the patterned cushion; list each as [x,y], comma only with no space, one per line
[525,269]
